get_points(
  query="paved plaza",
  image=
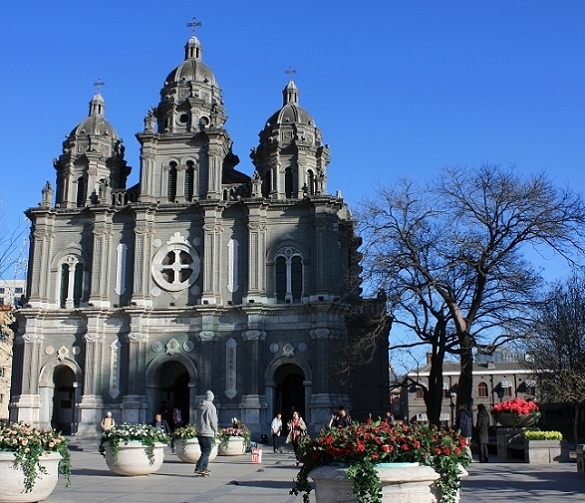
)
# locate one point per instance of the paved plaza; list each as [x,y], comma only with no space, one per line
[236,479]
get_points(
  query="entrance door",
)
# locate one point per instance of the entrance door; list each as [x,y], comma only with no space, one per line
[63,399]
[172,384]
[290,392]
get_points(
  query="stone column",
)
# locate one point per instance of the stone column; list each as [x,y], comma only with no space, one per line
[142,255]
[212,256]
[251,402]
[256,254]
[134,403]
[101,259]
[91,406]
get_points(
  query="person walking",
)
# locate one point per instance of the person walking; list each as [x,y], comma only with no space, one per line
[276,429]
[482,425]
[465,425]
[206,426]
[342,419]
[296,430]
[161,423]
[108,422]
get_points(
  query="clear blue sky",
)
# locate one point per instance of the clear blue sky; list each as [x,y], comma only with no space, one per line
[397,87]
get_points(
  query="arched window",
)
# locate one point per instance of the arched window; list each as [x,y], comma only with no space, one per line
[71,283]
[482,389]
[311,183]
[172,182]
[190,180]
[80,192]
[289,276]
[288,183]
[267,184]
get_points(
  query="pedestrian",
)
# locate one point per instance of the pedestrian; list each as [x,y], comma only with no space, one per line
[108,422]
[465,425]
[177,418]
[160,422]
[297,429]
[389,418]
[342,419]
[276,429]
[206,426]
[482,425]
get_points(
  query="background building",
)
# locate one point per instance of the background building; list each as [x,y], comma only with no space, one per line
[199,277]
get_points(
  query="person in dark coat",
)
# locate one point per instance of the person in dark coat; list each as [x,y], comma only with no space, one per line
[482,424]
[465,425]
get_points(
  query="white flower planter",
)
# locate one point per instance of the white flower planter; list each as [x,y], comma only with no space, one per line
[133,460]
[233,447]
[12,479]
[191,452]
[400,482]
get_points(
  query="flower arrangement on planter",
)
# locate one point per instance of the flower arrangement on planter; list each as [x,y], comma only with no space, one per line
[237,429]
[184,433]
[362,446]
[123,433]
[28,445]
[542,435]
[516,412]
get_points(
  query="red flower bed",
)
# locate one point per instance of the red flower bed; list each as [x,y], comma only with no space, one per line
[516,406]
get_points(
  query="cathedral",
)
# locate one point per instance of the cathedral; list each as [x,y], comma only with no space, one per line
[198,277]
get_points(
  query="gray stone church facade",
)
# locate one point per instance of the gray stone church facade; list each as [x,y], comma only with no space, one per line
[198,277]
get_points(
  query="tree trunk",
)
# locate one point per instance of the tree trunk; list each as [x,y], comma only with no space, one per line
[465,384]
[576,423]
[434,395]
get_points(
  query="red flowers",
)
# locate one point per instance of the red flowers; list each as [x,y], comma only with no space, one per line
[517,406]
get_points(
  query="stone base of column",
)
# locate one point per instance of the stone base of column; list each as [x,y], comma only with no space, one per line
[134,409]
[322,406]
[25,408]
[91,412]
[251,407]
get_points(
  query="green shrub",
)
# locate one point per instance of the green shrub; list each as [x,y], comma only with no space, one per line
[542,435]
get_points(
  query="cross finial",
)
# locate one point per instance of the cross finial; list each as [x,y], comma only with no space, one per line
[193,24]
[290,72]
[99,83]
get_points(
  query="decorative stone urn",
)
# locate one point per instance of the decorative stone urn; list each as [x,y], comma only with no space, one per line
[400,482]
[12,479]
[133,460]
[191,452]
[511,420]
[234,446]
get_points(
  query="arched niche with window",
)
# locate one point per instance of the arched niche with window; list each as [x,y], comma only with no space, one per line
[288,275]
[482,390]
[81,192]
[71,282]
[190,181]
[172,181]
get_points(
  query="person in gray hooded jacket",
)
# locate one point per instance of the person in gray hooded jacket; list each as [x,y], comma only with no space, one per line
[206,425]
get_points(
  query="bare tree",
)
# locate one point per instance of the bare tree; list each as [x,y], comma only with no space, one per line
[450,257]
[12,248]
[557,345]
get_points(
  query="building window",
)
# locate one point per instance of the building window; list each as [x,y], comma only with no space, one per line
[1,398]
[1,301]
[71,290]
[289,276]
[482,390]
[288,183]
[176,265]
[18,290]
[507,391]
[172,182]
[2,372]
[81,192]
[2,290]
[420,393]
[190,173]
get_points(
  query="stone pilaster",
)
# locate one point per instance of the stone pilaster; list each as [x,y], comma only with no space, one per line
[142,255]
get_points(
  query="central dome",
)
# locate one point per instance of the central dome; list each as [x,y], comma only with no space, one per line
[192,69]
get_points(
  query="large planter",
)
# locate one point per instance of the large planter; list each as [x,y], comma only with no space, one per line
[234,446]
[401,483]
[546,451]
[12,479]
[191,452]
[133,460]
[511,420]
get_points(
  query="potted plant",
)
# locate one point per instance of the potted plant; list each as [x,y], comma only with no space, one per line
[187,446]
[376,458]
[234,440]
[545,447]
[516,413]
[30,462]
[133,449]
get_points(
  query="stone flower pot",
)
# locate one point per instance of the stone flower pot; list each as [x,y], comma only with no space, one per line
[190,452]
[511,420]
[12,479]
[234,446]
[400,482]
[133,460]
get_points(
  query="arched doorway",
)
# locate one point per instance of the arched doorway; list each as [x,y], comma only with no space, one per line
[289,391]
[172,390]
[63,399]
